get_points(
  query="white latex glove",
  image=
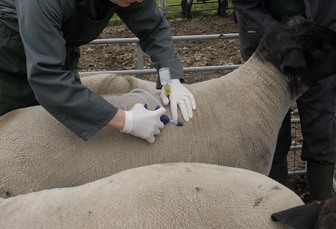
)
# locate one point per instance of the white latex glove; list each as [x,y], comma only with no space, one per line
[181,96]
[143,123]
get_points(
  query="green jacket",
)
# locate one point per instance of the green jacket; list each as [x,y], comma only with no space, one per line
[52,30]
[257,15]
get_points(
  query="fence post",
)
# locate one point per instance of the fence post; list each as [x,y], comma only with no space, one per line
[140,57]
[162,5]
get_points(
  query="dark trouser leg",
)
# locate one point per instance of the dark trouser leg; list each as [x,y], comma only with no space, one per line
[317,114]
[279,170]
[186,6]
[15,91]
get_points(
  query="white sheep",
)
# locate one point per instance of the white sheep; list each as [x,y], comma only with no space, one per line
[178,195]
[236,123]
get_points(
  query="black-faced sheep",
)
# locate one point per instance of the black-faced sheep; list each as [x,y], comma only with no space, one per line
[319,214]
[179,195]
[186,6]
[236,122]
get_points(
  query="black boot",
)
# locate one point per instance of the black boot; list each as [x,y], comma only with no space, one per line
[279,172]
[320,180]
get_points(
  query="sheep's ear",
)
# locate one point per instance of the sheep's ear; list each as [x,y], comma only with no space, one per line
[293,62]
[300,217]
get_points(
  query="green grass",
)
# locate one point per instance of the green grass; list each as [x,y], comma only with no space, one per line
[115,20]
[174,11]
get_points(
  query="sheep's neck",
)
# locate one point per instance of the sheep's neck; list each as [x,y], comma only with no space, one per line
[249,103]
[264,83]
[268,89]
[264,86]
[254,84]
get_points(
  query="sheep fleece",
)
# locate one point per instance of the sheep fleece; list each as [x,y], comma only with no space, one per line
[177,195]
[236,123]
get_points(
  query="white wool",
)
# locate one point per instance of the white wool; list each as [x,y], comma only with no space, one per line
[236,124]
[180,195]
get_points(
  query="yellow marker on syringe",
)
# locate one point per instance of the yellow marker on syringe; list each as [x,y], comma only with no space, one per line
[165,79]
[166,89]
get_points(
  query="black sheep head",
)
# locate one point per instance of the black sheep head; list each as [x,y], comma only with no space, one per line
[304,51]
[319,214]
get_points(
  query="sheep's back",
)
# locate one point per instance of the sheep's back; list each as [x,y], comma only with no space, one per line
[37,152]
[179,195]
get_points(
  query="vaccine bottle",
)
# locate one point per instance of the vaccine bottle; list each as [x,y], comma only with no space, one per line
[165,78]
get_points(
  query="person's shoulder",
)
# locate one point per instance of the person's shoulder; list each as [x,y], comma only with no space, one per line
[52,7]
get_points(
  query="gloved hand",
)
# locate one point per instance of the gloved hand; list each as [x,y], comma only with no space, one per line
[143,123]
[181,96]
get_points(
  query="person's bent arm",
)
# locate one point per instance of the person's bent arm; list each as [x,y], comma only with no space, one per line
[252,20]
[253,13]
[147,22]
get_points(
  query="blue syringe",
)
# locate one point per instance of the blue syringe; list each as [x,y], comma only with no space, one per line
[165,119]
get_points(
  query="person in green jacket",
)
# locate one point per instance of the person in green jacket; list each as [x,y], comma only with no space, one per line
[317,106]
[39,52]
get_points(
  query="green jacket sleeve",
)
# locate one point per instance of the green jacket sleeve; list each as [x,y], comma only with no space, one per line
[147,22]
[55,87]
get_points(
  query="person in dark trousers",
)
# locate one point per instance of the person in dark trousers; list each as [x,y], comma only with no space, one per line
[39,52]
[316,107]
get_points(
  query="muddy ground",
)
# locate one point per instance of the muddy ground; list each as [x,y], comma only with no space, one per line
[191,53]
